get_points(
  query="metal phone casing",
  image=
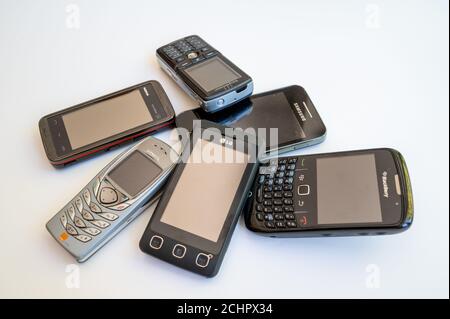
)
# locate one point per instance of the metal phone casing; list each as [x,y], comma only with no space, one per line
[162,155]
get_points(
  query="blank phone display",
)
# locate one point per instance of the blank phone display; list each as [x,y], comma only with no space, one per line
[204,193]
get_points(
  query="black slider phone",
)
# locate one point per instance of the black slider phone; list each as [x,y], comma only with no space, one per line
[98,125]
[365,192]
[202,201]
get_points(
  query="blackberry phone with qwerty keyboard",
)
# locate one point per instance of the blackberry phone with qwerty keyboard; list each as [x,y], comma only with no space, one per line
[113,198]
[351,193]
[204,73]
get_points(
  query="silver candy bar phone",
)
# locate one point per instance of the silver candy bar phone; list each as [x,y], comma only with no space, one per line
[113,198]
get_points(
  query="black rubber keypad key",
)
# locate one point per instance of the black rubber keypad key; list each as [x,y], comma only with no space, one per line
[275,193]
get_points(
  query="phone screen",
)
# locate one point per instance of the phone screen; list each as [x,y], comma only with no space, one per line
[107,118]
[212,74]
[203,195]
[135,173]
[260,113]
[347,190]
[272,111]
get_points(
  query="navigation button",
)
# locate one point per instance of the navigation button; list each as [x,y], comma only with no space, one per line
[303,190]
[202,260]
[179,251]
[156,242]
[192,55]
[108,195]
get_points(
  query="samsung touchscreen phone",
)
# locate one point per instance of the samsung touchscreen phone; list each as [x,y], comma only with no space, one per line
[286,117]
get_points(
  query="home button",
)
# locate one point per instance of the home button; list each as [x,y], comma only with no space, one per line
[156,242]
[202,260]
[179,251]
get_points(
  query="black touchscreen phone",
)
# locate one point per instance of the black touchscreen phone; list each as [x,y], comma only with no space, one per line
[197,214]
[105,122]
[288,110]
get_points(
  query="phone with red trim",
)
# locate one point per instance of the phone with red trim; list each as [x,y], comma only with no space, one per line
[100,124]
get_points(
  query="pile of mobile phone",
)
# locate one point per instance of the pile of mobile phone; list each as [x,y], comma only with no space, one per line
[232,160]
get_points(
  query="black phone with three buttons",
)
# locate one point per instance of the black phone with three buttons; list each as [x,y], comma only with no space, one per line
[204,73]
[196,216]
[364,192]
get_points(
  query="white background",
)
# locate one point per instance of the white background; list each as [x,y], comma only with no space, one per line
[377,72]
